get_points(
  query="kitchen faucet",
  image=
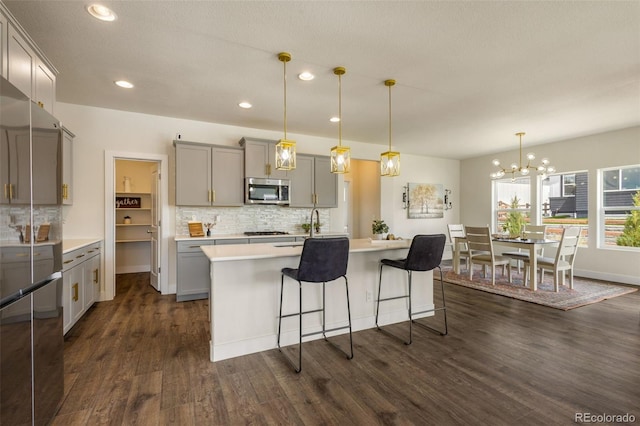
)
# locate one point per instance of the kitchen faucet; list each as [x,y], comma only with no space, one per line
[311,229]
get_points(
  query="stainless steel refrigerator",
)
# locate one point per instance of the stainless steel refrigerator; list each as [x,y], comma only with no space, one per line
[31,339]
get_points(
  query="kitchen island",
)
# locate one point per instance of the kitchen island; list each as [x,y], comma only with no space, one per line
[245,293]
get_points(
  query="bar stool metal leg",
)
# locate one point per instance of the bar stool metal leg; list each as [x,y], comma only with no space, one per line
[434,310]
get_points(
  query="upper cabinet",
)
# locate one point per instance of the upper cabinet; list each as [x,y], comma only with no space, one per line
[313,183]
[260,158]
[67,166]
[209,175]
[24,65]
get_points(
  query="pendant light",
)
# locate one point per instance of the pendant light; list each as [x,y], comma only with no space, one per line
[517,169]
[390,160]
[285,149]
[340,155]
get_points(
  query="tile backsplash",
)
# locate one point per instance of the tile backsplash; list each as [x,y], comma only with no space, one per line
[236,220]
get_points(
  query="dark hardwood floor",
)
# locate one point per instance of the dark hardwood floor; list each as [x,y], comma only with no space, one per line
[143,359]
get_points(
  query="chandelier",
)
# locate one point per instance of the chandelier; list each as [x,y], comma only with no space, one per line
[390,160]
[340,155]
[285,149]
[518,169]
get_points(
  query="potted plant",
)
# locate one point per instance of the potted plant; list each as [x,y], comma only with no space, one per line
[379,228]
[306,227]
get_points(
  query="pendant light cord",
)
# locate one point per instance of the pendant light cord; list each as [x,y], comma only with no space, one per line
[389,117]
[340,109]
[284,78]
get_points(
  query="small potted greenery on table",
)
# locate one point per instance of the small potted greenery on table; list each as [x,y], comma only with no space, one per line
[379,228]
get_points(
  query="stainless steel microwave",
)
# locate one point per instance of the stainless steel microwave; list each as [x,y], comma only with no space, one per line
[266,191]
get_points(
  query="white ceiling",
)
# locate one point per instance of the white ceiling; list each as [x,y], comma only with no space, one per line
[469,74]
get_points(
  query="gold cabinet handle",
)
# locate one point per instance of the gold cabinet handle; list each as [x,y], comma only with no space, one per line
[64,191]
[95,275]
[268,169]
[213,200]
[75,292]
[11,191]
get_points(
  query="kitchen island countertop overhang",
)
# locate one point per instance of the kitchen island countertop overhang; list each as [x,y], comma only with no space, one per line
[245,293]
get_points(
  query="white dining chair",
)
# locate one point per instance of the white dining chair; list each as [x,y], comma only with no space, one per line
[457,231]
[481,251]
[562,262]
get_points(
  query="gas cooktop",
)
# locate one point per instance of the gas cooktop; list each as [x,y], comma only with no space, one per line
[266,233]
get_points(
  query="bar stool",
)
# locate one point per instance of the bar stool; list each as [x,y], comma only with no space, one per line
[425,254]
[322,260]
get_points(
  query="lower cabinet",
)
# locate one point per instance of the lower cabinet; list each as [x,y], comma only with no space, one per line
[192,271]
[80,283]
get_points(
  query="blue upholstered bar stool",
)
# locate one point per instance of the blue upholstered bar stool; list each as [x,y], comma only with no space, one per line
[425,254]
[322,260]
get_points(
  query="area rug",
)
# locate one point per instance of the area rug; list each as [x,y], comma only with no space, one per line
[585,291]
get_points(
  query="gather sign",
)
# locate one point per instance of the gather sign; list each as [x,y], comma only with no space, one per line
[127,202]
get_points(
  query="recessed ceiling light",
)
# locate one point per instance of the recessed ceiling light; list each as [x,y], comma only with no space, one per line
[124,83]
[101,12]
[306,76]
[334,119]
[245,105]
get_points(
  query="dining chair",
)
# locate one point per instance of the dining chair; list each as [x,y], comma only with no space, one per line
[322,260]
[481,251]
[530,232]
[457,231]
[562,262]
[425,254]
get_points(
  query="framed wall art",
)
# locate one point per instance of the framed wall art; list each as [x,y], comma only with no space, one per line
[425,200]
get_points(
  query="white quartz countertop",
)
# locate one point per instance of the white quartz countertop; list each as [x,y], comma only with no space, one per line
[236,236]
[75,244]
[271,250]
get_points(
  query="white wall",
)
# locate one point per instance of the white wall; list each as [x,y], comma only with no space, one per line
[610,149]
[98,130]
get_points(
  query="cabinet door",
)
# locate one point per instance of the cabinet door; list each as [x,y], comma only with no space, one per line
[91,270]
[20,62]
[228,176]
[46,155]
[326,183]
[67,167]
[17,190]
[255,159]
[301,191]
[259,160]
[72,298]
[193,280]
[193,175]
[44,86]
[4,23]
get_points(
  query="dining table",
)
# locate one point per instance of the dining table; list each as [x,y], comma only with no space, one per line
[532,246]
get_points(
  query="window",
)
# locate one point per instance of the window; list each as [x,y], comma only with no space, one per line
[569,185]
[620,207]
[512,204]
[564,203]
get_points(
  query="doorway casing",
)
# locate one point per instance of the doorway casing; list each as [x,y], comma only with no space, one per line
[110,158]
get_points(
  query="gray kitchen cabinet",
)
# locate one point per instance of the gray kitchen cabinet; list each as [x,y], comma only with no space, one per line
[193,280]
[264,240]
[311,181]
[4,25]
[209,175]
[228,241]
[260,157]
[67,166]
[80,282]
[20,62]
[24,65]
